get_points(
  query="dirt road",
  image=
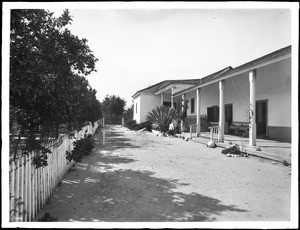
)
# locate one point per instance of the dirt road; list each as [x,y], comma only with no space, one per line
[138,176]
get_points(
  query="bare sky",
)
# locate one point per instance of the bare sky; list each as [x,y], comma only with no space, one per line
[138,45]
[141,46]
[138,48]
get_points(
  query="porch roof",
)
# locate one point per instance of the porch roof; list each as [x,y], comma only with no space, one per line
[166,85]
[265,60]
[186,85]
[206,79]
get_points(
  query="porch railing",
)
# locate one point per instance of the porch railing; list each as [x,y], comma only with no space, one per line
[214,133]
[193,129]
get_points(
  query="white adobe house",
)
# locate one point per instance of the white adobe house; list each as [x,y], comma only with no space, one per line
[261,87]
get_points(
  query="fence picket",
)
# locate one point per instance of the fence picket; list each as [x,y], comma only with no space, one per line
[25,189]
[22,189]
[29,187]
[17,189]
[33,187]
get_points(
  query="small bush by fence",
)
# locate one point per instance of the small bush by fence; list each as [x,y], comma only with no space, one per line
[29,187]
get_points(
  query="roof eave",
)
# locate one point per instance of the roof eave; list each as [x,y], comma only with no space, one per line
[139,94]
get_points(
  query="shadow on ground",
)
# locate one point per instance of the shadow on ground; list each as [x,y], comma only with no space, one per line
[104,191]
[109,139]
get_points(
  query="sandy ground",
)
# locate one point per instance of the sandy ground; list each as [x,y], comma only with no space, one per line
[138,176]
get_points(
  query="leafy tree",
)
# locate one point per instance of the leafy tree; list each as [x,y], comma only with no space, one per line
[128,114]
[113,106]
[48,88]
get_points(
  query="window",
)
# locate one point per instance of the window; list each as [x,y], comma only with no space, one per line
[193,105]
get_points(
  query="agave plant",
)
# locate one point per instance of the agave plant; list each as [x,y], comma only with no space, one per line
[162,117]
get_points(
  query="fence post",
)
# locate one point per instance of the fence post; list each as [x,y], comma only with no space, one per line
[191,131]
[103,123]
[123,123]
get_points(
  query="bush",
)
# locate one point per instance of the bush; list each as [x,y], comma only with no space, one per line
[162,117]
[130,124]
[147,125]
[82,147]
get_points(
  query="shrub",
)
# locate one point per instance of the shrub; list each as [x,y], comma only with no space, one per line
[82,147]
[147,125]
[130,124]
[162,117]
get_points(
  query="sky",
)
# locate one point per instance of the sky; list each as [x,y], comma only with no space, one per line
[139,45]
[137,48]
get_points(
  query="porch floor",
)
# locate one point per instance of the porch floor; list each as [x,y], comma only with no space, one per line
[270,149]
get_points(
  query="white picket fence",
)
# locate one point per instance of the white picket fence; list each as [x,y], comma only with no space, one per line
[31,187]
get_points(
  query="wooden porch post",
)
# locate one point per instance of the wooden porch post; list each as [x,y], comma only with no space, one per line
[252,118]
[198,112]
[221,110]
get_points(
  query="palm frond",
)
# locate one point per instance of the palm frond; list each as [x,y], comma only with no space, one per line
[162,117]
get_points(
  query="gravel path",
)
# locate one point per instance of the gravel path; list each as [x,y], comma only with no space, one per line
[138,176]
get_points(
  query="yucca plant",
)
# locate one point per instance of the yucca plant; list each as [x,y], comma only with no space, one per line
[162,117]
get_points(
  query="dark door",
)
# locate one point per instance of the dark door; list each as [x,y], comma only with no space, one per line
[228,114]
[213,114]
[261,117]
[209,114]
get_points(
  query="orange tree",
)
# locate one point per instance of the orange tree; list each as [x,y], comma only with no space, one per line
[48,85]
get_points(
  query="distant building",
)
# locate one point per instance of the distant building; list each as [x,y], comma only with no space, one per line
[260,88]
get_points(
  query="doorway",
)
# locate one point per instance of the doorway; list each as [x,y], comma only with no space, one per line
[228,114]
[261,117]
[213,113]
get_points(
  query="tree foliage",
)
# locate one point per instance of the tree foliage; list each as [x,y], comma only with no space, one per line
[128,114]
[113,106]
[48,88]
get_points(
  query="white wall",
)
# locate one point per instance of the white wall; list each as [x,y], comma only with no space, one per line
[237,93]
[145,103]
[273,84]
[137,109]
